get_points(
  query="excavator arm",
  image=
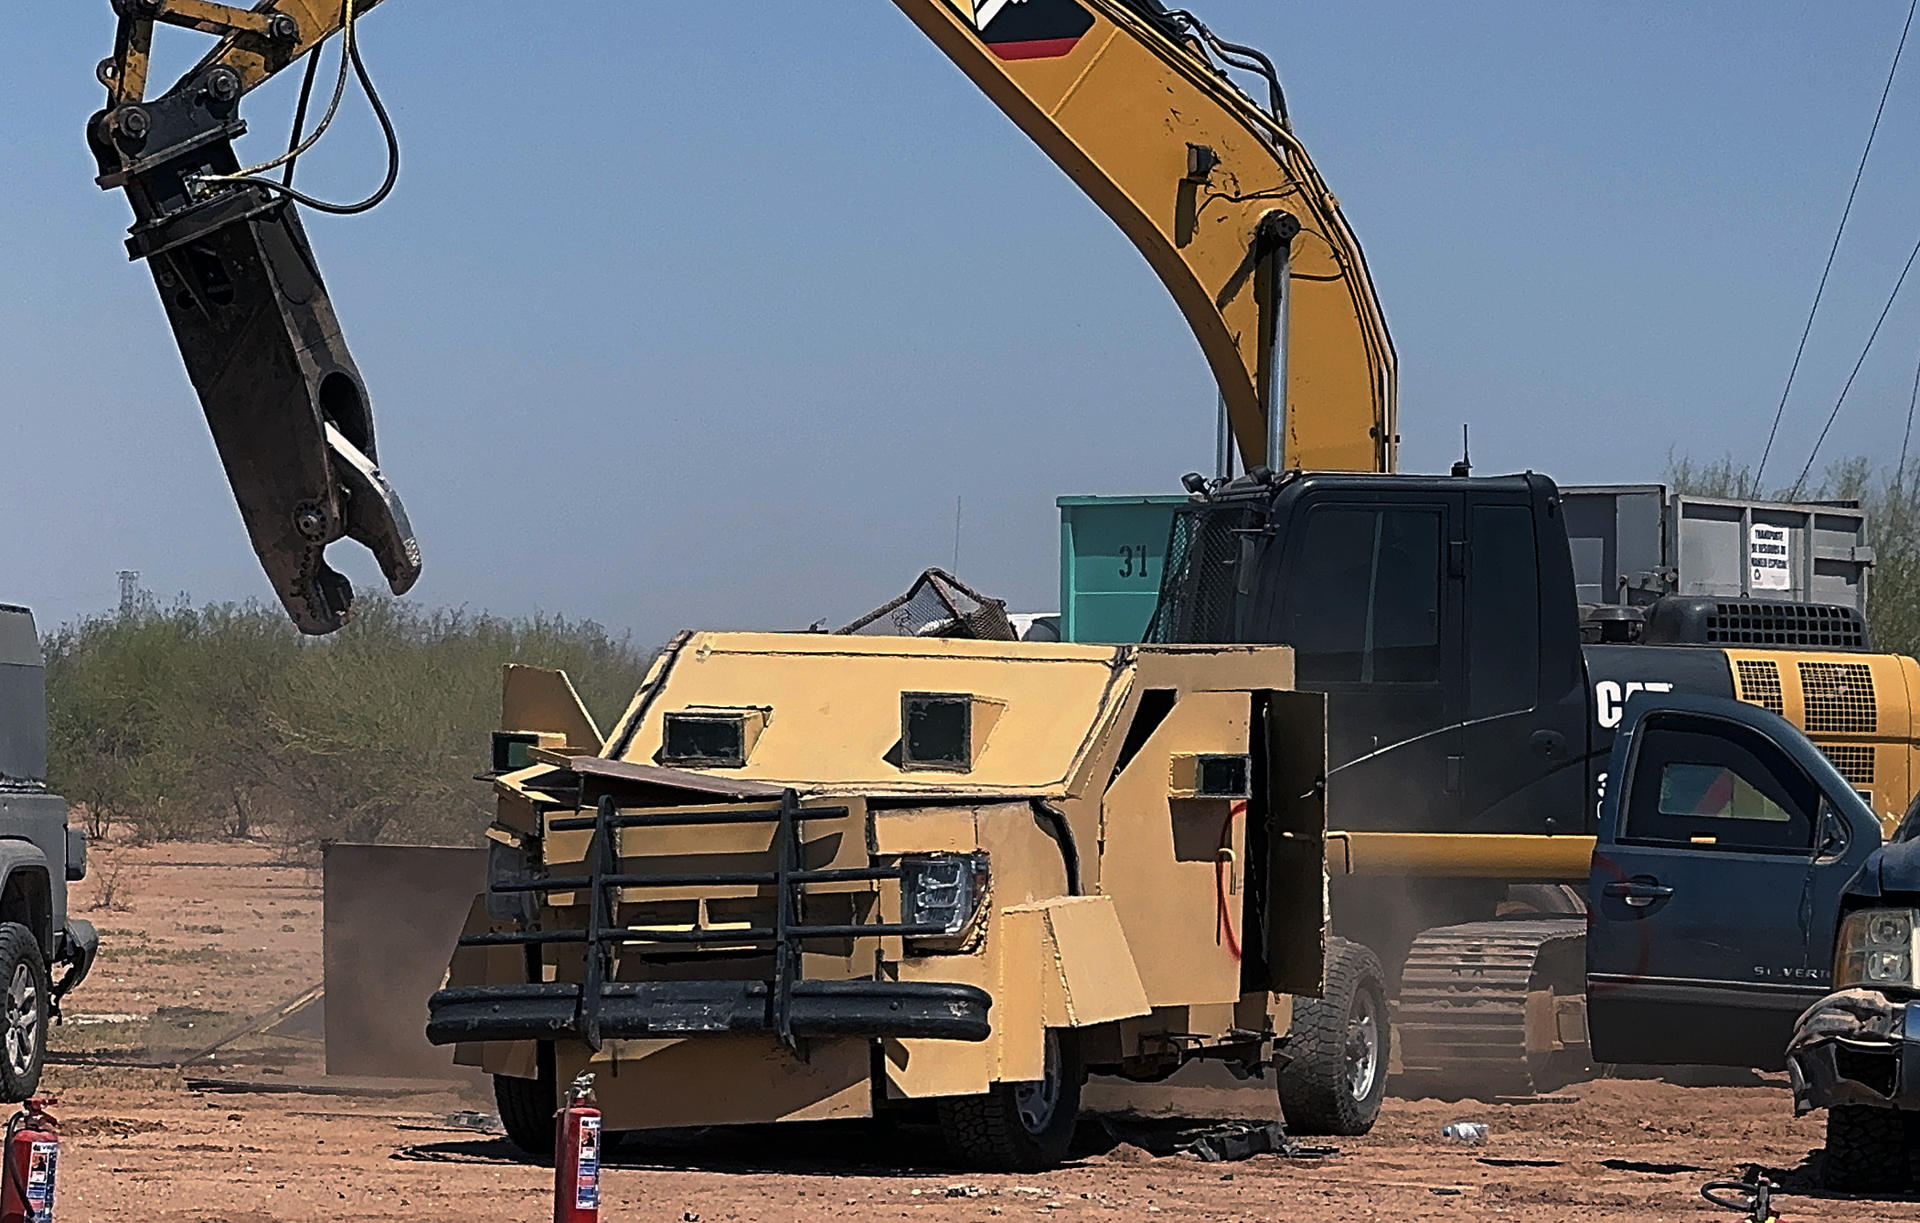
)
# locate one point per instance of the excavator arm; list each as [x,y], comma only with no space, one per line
[288,408]
[1126,96]
[1218,195]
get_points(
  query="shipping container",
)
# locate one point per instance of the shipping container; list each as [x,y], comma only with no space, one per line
[1634,543]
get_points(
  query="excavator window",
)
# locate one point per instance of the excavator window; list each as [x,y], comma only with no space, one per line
[1503,611]
[1363,596]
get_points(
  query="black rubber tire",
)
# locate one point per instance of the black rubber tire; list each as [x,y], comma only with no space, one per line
[526,1112]
[987,1132]
[20,951]
[1867,1150]
[1316,1097]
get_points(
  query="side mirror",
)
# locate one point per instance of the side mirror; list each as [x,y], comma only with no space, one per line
[1835,837]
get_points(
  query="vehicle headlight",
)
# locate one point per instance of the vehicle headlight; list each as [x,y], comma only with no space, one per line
[1876,950]
[942,891]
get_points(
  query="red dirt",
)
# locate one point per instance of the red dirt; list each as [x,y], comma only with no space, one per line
[219,930]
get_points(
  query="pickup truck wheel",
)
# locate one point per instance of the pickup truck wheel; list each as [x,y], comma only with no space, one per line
[526,1112]
[1020,1127]
[1339,1047]
[1866,1149]
[26,1000]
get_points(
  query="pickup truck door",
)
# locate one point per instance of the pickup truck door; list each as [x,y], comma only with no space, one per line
[1725,840]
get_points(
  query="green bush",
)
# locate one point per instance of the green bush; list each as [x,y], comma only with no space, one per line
[188,721]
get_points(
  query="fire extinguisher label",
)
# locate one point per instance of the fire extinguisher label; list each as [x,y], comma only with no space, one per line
[586,1181]
[42,1166]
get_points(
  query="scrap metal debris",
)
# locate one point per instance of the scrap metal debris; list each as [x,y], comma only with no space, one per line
[938,605]
[330,1086]
[264,1022]
[1752,1198]
[1210,1142]
[1850,1013]
[465,1121]
[1232,1143]
[1864,1025]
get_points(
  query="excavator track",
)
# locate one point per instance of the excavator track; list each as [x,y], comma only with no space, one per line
[1494,1007]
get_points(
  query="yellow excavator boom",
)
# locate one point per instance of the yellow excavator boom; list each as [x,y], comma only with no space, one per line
[1207,184]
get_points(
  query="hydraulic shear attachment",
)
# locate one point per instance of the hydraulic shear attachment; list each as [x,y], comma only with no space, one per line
[263,348]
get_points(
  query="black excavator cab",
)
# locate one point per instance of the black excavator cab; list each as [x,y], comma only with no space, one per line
[1438,615]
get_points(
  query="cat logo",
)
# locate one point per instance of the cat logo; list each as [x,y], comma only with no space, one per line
[1027,29]
[1610,698]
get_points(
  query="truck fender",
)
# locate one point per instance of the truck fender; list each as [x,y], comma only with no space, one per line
[26,895]
[1086,972]
[517,1059]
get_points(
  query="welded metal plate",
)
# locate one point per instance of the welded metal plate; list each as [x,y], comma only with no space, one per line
[393,913]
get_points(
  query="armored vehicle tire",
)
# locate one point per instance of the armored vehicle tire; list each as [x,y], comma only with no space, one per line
[526,1112]
[1866,1149]
[26,1002]
[1020,1127]
[1339,1046]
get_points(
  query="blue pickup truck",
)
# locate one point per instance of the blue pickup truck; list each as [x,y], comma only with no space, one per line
[1746,911]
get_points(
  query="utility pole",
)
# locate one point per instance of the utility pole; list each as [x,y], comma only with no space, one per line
[129,592]
[959,503]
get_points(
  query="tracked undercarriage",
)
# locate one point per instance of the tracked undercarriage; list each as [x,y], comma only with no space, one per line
[1494,1008]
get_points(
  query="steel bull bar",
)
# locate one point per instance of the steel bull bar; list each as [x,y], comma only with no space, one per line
[788,1006]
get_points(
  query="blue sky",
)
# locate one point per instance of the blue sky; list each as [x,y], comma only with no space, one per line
[704,314]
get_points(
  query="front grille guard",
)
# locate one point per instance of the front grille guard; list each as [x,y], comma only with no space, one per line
[605,879]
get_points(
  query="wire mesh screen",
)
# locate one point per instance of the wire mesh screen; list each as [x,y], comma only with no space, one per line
[1199,589]
[938,605]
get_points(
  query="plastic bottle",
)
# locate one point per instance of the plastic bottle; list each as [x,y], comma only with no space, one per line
[1466,1133]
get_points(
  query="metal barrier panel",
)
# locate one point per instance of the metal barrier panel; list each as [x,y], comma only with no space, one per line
[393,916]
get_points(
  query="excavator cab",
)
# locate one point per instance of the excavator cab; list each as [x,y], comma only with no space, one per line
[1437,613]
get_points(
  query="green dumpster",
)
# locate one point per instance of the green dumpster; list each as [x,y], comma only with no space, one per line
[1112,553]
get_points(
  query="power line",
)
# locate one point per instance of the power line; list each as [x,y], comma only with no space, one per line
[1900,472]
[1874,335]
[1846,212]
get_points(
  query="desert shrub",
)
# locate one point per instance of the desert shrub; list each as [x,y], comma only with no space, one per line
[185,721]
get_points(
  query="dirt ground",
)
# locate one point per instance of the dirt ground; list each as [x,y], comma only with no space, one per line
[197,939]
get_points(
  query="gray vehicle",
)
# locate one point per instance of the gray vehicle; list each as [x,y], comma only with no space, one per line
[39,856]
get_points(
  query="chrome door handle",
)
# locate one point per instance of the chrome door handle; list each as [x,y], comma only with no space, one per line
[1638,895]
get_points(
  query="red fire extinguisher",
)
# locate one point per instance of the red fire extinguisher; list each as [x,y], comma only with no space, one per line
[33,1157]
[576,1156]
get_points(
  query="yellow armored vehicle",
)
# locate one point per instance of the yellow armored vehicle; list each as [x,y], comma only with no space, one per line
[814,876]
